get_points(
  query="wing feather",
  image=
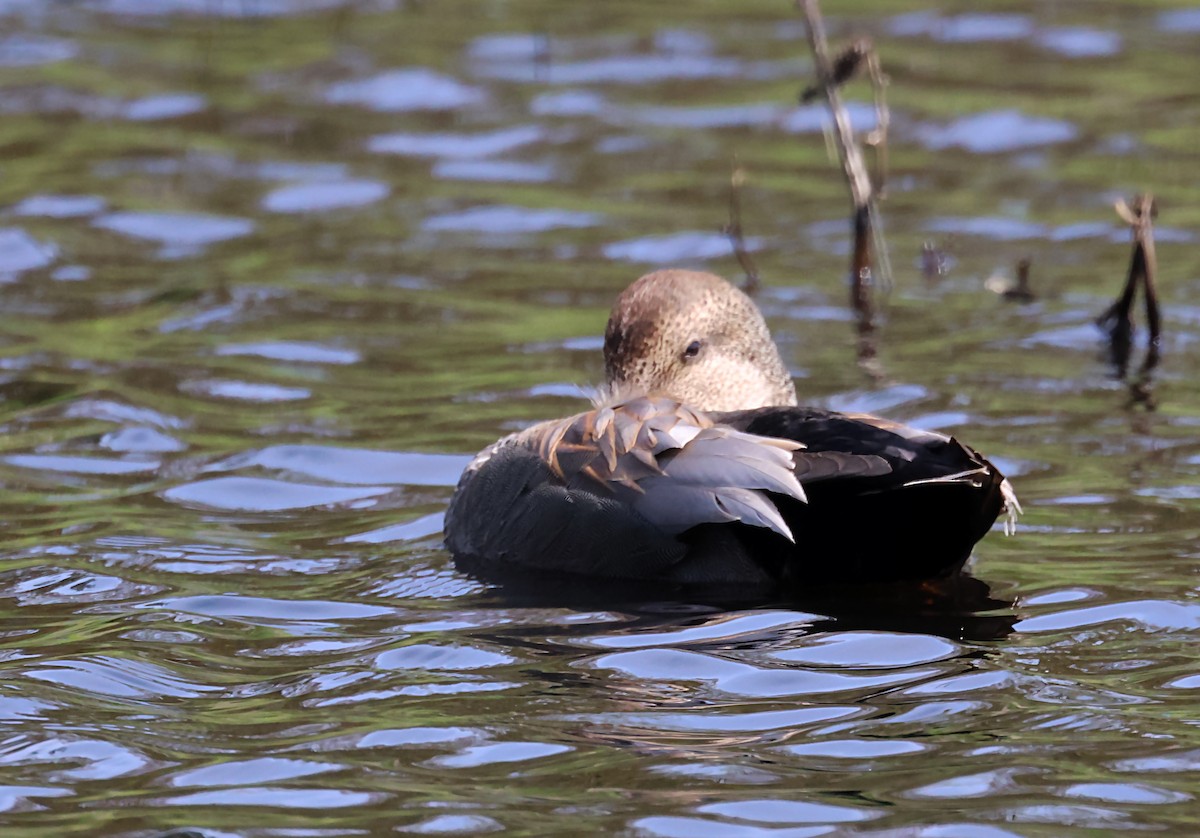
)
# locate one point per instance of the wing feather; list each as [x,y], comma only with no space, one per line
[666,465]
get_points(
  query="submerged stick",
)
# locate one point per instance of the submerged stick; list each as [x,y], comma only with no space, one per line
[842,68]
[1143,236]
[848,150]
[934,261]
[1117,319]
[734,230]
[1142,388]
[878,139]
[862,194]
[1022,291]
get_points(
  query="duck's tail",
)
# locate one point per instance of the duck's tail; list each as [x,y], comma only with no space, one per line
[1012,506]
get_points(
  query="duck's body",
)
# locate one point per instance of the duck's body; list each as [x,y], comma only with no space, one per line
[702,471]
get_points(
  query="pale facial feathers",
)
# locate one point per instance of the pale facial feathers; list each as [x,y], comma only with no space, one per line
[695,337]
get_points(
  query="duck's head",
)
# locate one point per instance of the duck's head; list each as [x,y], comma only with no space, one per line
[693,336]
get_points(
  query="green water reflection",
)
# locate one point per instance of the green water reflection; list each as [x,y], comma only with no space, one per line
[260,257]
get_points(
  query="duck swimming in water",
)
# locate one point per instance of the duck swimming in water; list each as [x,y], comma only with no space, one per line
[698,469]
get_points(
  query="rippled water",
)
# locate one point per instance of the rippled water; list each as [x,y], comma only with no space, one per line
[271,270]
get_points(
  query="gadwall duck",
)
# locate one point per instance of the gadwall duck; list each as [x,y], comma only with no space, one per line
[696,468]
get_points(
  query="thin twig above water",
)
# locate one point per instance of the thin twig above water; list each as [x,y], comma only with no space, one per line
[864,215]
[734,230]
[1117,319]
[1018,290]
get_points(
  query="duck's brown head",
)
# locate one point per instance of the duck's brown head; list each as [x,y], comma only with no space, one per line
[693,336]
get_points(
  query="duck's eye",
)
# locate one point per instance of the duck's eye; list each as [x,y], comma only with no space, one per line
[693,349]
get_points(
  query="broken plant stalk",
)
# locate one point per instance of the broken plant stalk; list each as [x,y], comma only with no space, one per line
[734,230]
[1117,319]
[862,194]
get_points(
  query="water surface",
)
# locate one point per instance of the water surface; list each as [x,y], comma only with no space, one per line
[272,270]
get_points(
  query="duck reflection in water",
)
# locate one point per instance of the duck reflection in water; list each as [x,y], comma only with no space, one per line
[697,473]
[958,607]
